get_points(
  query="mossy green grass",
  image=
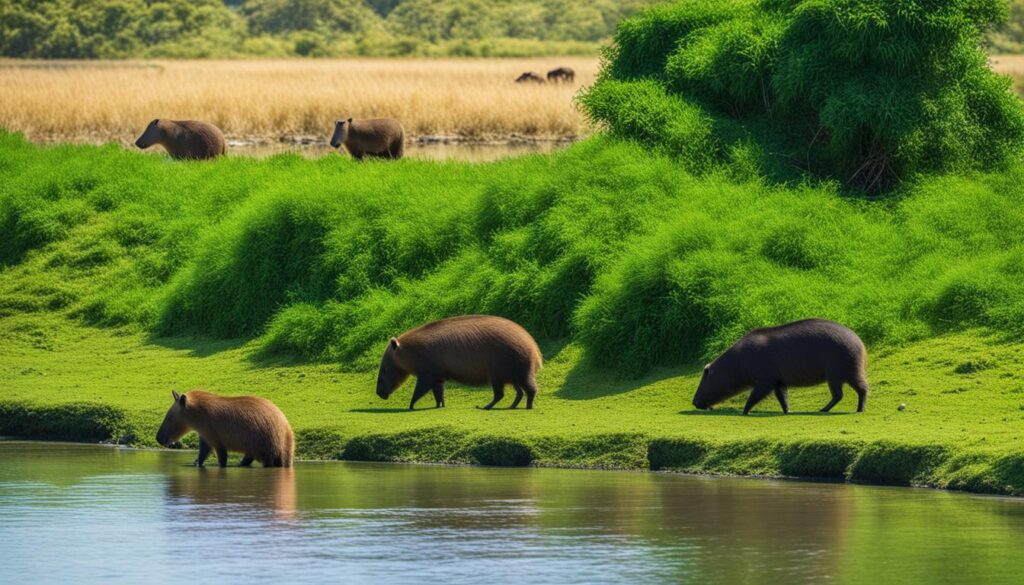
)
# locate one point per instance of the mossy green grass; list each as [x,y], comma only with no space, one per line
[126,275]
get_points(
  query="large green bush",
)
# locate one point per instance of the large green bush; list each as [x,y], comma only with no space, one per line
[871,92]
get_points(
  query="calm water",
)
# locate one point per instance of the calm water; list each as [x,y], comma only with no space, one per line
[83,514]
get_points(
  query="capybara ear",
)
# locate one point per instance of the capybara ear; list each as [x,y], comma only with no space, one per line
[181,400]
[174,395]
[394,343]
[350,120]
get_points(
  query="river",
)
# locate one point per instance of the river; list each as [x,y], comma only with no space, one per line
[74,514]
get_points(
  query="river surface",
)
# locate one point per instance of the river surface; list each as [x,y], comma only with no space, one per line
[72,514]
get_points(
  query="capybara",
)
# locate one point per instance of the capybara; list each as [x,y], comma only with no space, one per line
[565,74]
[380,137]
[184,139]
[529,77]
[249,425]
[802,353]
[475,350]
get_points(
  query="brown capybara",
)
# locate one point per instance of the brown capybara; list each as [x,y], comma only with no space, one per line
[529,77]
[184,139]
[475,350]
[802,353]
[562,74]
[249,425]
[379,137]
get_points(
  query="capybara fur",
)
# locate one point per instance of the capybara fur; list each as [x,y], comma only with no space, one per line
[379,137]
[529,77]
[475,350]
[802,353]
[561,74]
[184,139]
[248,425]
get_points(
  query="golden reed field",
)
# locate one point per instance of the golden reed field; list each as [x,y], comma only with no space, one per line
[291,99]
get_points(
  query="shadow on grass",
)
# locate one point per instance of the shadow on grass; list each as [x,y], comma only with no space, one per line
[585,382]
[387,410]
[756,413]
[197,346]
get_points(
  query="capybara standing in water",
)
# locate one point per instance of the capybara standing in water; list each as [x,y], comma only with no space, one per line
[474,350]
[802,353]
[529,77]
[184,139]
[380,137]
[561,74]
[249,425]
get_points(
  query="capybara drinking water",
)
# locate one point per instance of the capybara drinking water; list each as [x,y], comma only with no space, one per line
[249,425]
[473,349]
[802,353]
[184,139]
[380,137]
[565,74]
[529,77]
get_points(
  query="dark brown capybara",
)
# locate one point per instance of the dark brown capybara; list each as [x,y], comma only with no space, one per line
[249,425]
[529,77]
[379,137]
[184,139]
[475,350]
[802,353]
[562,74]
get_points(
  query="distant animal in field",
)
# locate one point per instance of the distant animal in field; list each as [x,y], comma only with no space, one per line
[475,350]
[249,425]
[529,77]
[562,74]
[184,139]
[378,137]
[802,353]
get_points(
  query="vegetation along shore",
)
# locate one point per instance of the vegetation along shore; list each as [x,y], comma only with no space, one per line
[730,187]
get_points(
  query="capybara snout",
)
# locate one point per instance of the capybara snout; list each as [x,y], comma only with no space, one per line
[771,360]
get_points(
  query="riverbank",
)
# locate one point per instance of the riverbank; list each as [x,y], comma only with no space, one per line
[961,428]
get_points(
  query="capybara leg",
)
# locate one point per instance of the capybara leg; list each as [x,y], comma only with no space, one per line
[861,388]
[439,394]
[222,457]
[422,387]
[531,392]
[204,452]
[245,462]
[758,394]
[782,393]
[519,396]
[836,388]
[499,393]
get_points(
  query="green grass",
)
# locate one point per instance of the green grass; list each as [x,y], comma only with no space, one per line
[126,275]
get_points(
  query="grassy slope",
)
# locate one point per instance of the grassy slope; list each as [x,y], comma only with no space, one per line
[95,273]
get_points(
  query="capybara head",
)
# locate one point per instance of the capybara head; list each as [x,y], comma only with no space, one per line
[340,132]
[720,381]
[391,374]
[151,135]
[174,426]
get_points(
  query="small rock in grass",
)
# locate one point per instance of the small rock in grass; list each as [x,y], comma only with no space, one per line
[902,406]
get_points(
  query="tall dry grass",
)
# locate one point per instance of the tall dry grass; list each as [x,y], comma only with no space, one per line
[271,100]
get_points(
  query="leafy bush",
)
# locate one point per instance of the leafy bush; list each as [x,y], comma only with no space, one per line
[867,91]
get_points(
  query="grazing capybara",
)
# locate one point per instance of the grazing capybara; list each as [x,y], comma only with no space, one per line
[184,139]
[475,350]
[529,77]
[561,74]
[802,353]
[249,425]
[380,137]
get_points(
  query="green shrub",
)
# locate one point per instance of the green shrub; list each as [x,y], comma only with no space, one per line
[871,92]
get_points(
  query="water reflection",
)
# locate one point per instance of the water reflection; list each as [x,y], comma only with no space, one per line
[438,151]
[100,515]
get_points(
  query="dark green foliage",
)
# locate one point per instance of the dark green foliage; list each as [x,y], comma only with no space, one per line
[895,463]
[71,421]
[871,92]
[500,451]
[318,28]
